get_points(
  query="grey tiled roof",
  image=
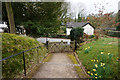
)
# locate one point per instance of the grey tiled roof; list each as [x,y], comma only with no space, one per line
[75,24]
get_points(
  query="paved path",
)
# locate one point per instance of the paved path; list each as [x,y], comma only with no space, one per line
[57,71]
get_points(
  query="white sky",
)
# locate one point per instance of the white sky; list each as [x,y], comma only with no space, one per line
[88,5]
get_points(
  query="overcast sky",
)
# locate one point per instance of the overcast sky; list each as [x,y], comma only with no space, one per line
[89,7]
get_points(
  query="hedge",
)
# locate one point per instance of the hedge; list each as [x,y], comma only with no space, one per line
[12,44]
[113,33]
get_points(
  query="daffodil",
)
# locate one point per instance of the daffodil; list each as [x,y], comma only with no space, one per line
[95,74]
[94,60]
[91,60]
[96,65]
[94,69]
[88,72]
[103,64]
[101,52]
[85,48]
[108,53]
[97,60]
[88,47]
[91,73]
[95,77]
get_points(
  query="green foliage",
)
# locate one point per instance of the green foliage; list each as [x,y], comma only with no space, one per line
[113,33]
[118,28]
[76,34]
[79,18]
[12,44]
[94,56]
[45,17]
[91,36]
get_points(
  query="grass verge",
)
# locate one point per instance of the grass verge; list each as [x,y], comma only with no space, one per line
[77,68]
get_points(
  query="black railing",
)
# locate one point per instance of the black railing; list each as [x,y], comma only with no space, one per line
[23,57]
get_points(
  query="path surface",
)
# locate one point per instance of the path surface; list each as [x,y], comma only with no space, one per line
[57,71]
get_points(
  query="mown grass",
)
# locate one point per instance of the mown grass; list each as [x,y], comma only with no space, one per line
[92,51]
[77,68]
[12,44]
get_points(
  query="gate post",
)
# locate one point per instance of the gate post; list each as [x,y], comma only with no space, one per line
[75,45]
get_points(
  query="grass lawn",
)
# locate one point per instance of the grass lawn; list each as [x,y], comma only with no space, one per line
[100,58]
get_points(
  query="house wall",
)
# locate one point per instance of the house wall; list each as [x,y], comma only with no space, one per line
[88,29]
[68,31]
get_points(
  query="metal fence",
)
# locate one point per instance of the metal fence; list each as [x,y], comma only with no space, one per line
[23,57]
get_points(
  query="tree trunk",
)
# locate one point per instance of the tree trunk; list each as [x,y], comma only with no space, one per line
[10,17]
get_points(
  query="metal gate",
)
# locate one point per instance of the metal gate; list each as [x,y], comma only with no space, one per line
[60,47]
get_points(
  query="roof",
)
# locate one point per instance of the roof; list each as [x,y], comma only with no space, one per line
[76,24]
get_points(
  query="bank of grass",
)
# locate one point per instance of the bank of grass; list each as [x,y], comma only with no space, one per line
[93,54]
[77,68]
[12,44]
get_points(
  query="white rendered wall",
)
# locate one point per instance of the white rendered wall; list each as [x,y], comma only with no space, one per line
[89,30]
[68,31]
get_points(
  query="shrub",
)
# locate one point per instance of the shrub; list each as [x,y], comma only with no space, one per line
[113,33]
[76,34]
[12,44]
[91,36]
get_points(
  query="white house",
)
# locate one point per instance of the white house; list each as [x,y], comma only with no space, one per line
[88,28]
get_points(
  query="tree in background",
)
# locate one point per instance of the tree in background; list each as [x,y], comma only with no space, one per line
[10,17]
[118,21]
[45,17]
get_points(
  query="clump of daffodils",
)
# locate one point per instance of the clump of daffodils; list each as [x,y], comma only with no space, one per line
[102,64]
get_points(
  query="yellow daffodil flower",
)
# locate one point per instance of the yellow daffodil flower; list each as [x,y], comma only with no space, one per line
[103,64]
[85,48]
[94,69]
[88,47]
[88,72]
[91,73]
[96,65]
[101,52]
[96,74]
[94,60]
[95,77]
[97,60]
[108,53]
[91,60]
